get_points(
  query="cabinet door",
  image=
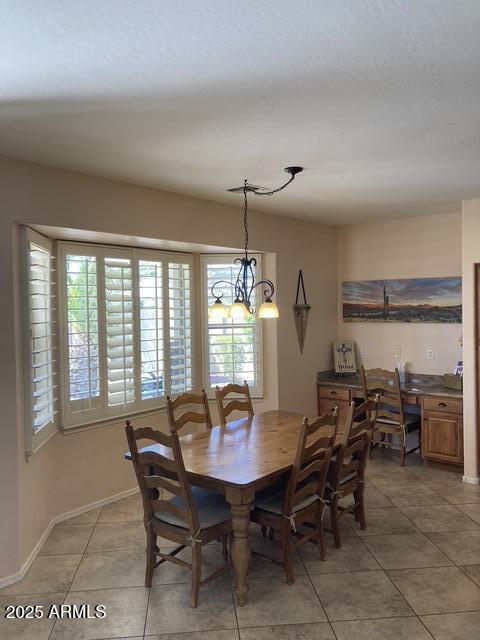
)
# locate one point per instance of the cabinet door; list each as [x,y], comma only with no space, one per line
[442,437]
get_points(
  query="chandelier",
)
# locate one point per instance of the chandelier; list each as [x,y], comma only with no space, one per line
[245,284]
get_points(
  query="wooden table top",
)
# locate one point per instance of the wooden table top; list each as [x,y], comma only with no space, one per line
[244,452]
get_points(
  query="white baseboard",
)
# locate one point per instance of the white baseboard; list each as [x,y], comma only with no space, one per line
[16,577]
[471,479]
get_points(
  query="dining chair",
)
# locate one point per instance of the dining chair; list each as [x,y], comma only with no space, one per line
[296,510]
[186,400]
[192,518]
[346,475]
[225,408]
[391,421]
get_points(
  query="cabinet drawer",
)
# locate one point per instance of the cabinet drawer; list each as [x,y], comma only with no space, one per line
[334,393]
[447,405]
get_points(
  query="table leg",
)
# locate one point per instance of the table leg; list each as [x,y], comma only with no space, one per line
[240,501]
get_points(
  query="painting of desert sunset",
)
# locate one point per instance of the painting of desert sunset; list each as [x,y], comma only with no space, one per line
[410,300]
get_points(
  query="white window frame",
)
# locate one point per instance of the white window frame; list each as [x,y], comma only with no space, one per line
[35,439]
[257,392]
[105,413]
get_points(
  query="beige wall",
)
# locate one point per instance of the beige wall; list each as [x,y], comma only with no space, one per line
[406,248]
[470,257]
[77,469]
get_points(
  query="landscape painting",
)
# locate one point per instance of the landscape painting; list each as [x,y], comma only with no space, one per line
[412,300]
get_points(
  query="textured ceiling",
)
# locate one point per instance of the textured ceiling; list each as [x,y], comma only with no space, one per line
[379,100]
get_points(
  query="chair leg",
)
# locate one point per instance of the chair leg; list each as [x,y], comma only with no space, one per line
[360,507]
[319,523]
[196,573]
[403,446]
[287,554]
[224,548]
[264,531]
[271,533]
[151,556]
[334,521]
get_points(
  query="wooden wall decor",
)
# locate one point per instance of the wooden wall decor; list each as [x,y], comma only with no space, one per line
[300,312]
[344,356]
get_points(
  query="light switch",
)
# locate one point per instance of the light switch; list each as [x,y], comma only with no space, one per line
[397,352]
[364,351]
[430,353]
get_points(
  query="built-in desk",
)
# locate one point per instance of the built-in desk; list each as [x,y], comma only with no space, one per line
[440,407]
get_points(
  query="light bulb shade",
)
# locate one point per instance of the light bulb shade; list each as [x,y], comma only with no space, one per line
[217,311]
[238,311]
[268,310]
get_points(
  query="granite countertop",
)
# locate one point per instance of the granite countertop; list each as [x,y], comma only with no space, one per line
[417,384]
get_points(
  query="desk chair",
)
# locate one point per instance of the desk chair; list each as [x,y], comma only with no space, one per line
[391,418]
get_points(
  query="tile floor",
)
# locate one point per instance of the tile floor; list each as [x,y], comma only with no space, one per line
[414,574]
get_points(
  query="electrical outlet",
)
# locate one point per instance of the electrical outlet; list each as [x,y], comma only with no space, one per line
[397,352]
[364,351]
[430,353]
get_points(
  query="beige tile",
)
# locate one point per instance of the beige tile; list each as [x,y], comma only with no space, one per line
[361,595]
[353,556]
[437,590]
[110,569]
[22,629]
[386,521]
[454,626]
[412,494]
[315,631]
[114,536]
[439,518]
[473,572]
[462,547]
[404,551]
[223,634]
[46,575]
[67,538]
[472,511]
[170,573]
[456,491]
[170,611]
[127,510]
[394,628]
[125,615]
[89,517]
[272,601]
[110,536]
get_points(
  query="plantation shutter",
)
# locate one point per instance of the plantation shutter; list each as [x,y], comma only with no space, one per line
[82,399]
[151,330]
[180,325]
[40,387]
[118,306]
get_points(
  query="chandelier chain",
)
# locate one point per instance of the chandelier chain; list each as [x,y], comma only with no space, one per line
[270,193]
[245,216]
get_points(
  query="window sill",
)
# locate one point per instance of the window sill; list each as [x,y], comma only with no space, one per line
[98,424]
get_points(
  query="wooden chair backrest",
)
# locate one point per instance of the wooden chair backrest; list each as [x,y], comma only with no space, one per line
[161,471]
[361,417]
[241,404]
[186,399]
[387,385]
[352,455]
[312,459]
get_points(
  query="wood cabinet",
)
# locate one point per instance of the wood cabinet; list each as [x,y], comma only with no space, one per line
[330,397]
[442,430]
[442,422]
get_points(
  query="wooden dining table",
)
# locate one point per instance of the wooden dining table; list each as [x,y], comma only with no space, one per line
[239,460]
